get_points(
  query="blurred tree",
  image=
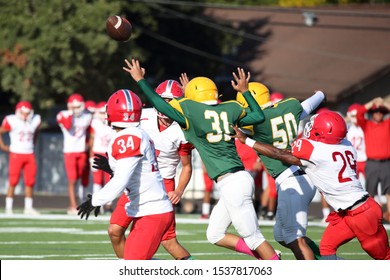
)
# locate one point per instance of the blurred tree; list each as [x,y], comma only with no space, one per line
[52,48]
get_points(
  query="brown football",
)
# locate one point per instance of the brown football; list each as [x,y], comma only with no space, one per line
[118,28]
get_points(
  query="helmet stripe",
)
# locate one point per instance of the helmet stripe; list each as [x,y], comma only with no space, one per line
[129,101]
[168,90]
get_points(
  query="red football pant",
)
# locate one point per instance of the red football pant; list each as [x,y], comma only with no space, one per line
[120,218]
[75,164]
[208,183]
[100,177]
[364,223]
[19,162]
[146,235]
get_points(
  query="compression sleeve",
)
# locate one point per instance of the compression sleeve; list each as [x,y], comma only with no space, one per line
[160,104]
[255,115]
[311,103]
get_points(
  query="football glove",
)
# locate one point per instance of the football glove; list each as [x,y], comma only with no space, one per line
[86,208]
[101,162]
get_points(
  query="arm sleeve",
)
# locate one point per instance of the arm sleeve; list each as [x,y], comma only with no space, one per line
[5,125]
[361,120]
[124,169]
[185,149]
[302,149]
[311,103]
[65,119]
[255,115]
[160,104]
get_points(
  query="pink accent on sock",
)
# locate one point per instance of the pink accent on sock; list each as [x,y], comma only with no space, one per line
[275,258]
[243,248]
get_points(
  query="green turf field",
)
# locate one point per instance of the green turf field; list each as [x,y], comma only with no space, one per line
[63,237]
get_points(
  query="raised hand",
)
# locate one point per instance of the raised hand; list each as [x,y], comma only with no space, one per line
[183,81]
[241,81]
[134,69]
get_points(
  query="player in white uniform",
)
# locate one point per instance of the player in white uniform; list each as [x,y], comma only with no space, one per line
[75,125]
[22,128]
[100,136]
[356,136]
[330,162]
[172,149]
[132,158]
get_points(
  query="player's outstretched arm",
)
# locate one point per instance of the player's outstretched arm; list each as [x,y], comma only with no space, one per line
[311,103]
[266,149]
[137,73]
[241,83]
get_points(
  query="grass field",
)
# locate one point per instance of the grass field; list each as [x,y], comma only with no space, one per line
[63,237]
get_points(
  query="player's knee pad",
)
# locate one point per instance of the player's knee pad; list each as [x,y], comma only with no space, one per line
[30,182]
[254,240]
[213,235]
[13,180]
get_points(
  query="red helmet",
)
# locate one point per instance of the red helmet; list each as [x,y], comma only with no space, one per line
[276,97]
[169,89]
[100,111]
[76,103]
[90,105]
[327,127]
[24,110]
[101,107]
[123,109]
[352,111]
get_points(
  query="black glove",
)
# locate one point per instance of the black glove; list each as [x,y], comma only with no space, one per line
[86,208]
[101,162]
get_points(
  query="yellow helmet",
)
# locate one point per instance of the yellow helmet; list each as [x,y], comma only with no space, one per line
[259,92]
[202,89]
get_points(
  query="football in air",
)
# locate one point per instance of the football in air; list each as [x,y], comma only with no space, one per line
[118,28]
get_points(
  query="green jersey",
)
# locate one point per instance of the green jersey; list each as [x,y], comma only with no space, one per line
[279,129]
[207,127]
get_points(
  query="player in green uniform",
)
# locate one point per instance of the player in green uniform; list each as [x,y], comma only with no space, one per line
[294,188]
[206,124]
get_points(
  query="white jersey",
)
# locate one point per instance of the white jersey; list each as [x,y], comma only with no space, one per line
[332,169]
[21,133]
[356,136]
[167,142]
[102,135]
[131,155]
[76,133]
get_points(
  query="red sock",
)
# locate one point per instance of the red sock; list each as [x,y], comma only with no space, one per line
[243,248]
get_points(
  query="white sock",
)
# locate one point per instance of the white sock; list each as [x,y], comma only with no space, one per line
[9,201]
[96,188]
[28,203]
[206,208]
[82,191]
